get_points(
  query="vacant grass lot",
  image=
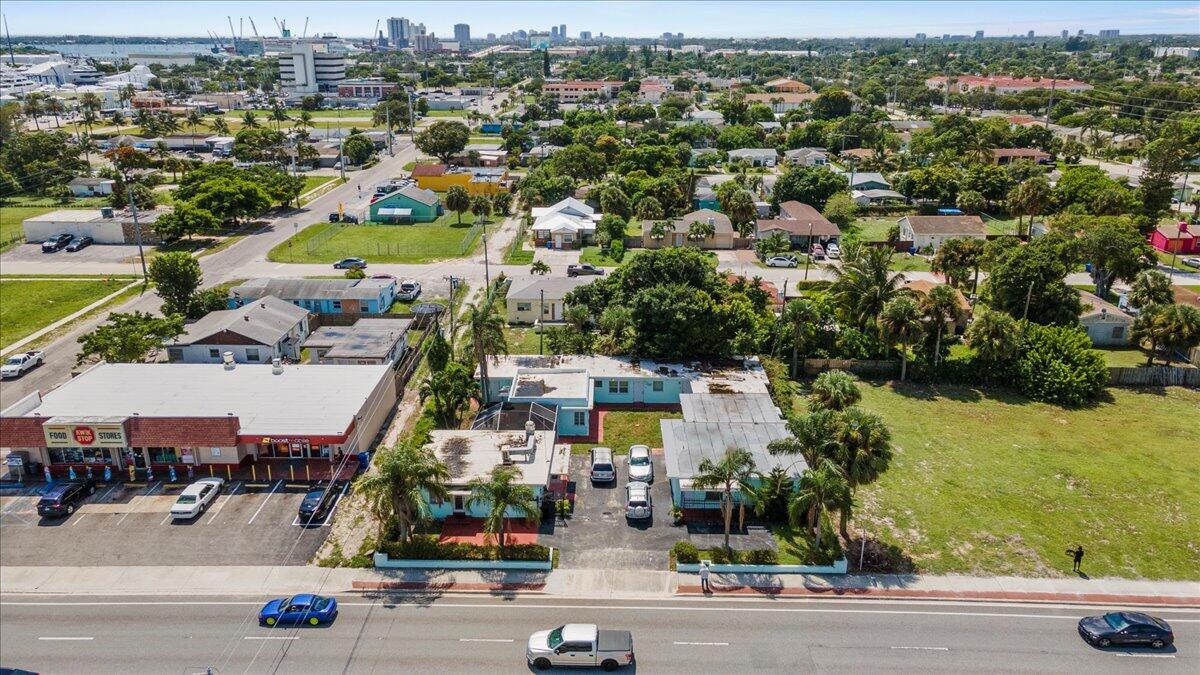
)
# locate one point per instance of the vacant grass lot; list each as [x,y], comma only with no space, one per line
[27,306]
[420,243]
[521,340]
[623,428]
[990,484]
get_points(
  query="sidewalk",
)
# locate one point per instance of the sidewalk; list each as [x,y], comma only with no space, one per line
[628,584]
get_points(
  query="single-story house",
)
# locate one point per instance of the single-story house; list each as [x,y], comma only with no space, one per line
[866,180]
[256,332]
[320,296]
[440,178]
[704,196]
[540,151]
[807,157]
[539,299]
[920,288]
[1105,323]
[930,231]
[770,126]
[409,204]
[787,84]
[799,222]
[676,233]
[857,154]
[88,186]
[1175,238]
[367,341]
[755,156]
[104,225]
[712,425]
[568,224]
[1010,155]
[709,117]
[875,197]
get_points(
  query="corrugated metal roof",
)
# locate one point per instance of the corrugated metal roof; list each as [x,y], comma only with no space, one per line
[687,444]
[721,408]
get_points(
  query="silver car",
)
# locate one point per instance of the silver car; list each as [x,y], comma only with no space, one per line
[602,467]
[638,503]
[641,468]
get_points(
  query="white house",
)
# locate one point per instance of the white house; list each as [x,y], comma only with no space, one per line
[709,117]
[1105,323]
[266,329]
[807,157]
[87,186]
[568,224]
[539,299]
[930,231]
[756,156]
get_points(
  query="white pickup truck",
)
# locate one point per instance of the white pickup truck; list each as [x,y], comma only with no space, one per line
[580,644]
[17,364]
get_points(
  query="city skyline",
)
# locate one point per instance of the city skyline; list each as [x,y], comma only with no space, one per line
[626,19]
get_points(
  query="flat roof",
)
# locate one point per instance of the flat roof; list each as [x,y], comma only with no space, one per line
[550,383]
[302,400]
[367,338]
[753,408]
[687,444]
[471,454]
[748,378]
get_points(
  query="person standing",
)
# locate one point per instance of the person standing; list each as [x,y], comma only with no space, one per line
[1076,555]
[704,572]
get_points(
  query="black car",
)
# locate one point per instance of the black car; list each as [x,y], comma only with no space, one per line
[334,217]
[317,504]
[56,242]
[353,220]
[80,242]
[60,499]
[1126,628]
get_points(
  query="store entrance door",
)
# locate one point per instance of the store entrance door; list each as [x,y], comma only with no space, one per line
[134,457]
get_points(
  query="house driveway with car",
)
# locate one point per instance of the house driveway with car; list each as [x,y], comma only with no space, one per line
[597,535]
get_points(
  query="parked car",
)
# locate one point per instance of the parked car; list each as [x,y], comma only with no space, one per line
[583,270]
[1126,628]
[408,290]
[388,277]
[349,263]
[638,504]
[304,608]
[196,497]
[61,498]
[781,261]
[79,242]
[56,242]
[17,364]
[350,219]
[316,504]
[641,468]
[833,250]
[580,644]
[335,217]
[602,467]
[817,252]
[1192,262]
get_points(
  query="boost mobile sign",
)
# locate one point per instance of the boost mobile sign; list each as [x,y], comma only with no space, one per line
[84,435]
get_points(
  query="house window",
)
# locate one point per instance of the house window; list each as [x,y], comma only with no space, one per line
[251,354]
[174,354]
[580,418]
[214,353]
[657,385]
[78,456]
[618,386]
[598,384]
[712,496]
[524,306]
[337,305]
[1118,332]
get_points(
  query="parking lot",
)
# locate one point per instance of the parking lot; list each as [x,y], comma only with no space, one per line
[597,536]
[248,524]
[96,253]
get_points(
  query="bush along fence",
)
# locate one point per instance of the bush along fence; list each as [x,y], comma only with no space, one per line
[1156,376]
[878,368]
[424,553]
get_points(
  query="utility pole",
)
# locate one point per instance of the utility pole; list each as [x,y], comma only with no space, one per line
[412,132]
[541,312]
[387,116]
[1050,103]
[487,279]
[808,256]
[453,287]
[341,145]
[137,230]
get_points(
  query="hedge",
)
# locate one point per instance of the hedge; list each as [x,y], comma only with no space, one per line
[760,556]
[685,552]
[779,384]
[426,547]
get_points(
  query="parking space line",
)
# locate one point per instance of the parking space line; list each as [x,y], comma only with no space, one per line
[333,508]
[78,519]
[228,496]
[152,488]
[106,493]
[264,502]
[165,518]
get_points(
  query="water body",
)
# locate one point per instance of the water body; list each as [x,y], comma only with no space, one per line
[102,50]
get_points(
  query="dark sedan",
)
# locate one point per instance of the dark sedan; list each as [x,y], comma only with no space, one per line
[1126,629]
[62,498]
[56,242]
[350,263]
[80,242]
[316,504]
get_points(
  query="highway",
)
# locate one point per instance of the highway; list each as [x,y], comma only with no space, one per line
[416,633]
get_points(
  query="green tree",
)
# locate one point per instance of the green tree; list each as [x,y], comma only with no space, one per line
[742,212]
[1165,158]
[539,267]
[185,220]
[648,208]
[358,149]
[481,207]
[502,494]
[995,337]
[865,283]
[832,104]
[458,200]
[901,324]
[1032,276]
[699,231]
[957,259]
[801,316]
[450,391]
[834,390]
[812,185]
[406,480]
[232,199]
[614,202]
[733,472]
[1170,327]
[437,352]
[485,328]
[444,139]
[1115,249]
[128,338]
[864,453]
[1058,365]
[841,210]
[176,278]
[940,306]
[818,491]
[1149,288]
[970,202]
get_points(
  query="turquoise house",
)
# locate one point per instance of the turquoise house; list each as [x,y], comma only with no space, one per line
[407,205]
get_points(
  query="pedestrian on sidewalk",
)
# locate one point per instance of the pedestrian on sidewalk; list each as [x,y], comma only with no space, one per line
[704,572]
[1077,555]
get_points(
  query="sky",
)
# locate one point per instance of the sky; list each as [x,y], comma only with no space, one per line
[696,18]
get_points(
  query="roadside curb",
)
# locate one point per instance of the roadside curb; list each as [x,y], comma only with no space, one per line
[451,587]
[980,596]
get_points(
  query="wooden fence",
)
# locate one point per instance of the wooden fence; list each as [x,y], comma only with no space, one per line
[878,368]
[1155,376]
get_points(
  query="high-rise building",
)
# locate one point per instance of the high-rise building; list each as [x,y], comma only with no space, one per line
[1029,34]
[1065,33]
[491,36]
[1080,33]
[399,31]
[1111,32]
[462,32]
[562,31]
[308,67]
[553,32]
[920,36]
[978,35]
[585,35]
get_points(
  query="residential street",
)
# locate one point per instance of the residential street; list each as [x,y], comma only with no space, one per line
[417,633]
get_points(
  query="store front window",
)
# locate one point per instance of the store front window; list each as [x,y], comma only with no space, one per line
[163,455]
[289,449]
[79,456]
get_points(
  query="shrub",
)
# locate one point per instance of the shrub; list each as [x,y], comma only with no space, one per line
[762,556]
[686,552]
[1058,365]
[778,384]
[720,556]
[427,547]
[616,251]
[355,273]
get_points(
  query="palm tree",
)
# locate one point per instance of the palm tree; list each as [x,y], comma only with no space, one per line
[501,494]
[1150,287]
[733,471]
[408,478]
[194,119]
[834,390]
[801,315]
[220,126]
[90,101]
[865,451]
[31,107]
[865,283]
[304,122]
[941,305]
[539,267]
[55,107]
[658,230]
[818,491]
[699,231]
[278,115]
[901,324]
[118,118]
[812,437]
[451,389]
[167,123]
[126,94]
[160,151]
[145,120]
[486,328]
[249,120]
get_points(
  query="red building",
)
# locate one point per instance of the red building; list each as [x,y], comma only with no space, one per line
[1175,239]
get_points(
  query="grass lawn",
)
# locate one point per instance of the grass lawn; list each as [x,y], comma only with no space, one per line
[313,182]
[11,233]
[988,483]
[521,340]
[797,547]
[1164,259]
[996,226]
[519,256]
[623,428]
[28,306]
[446,113]
[904,262]
[420,243]
[1129,357]
[873,229]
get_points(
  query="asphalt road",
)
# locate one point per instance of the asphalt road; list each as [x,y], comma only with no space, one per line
[482,634]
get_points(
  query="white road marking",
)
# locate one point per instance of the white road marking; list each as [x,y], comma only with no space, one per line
[264,502]
[78,519]
[166,518]
[228,496]
[927,649]
[704,644]
[483,640]
[67,639]
[107,492]
[1145,656]
[271,637]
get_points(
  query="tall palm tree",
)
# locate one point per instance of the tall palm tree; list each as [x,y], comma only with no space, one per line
[486,328]
[55,107]
[801,315]
[819,490]
[865,451]
[194,119]
[220,126]
[249,120]
[90,101]
[118,118]
[126,94]
[865,283]
[733,471]
[501,495]
[834,390]
[167,123]
[407,479]
[901,324]
[304,122]
[32,106]
[941,305]
[451,389]
[145,120]
[279,115]
[812,437]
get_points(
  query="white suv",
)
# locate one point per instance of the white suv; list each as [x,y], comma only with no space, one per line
[603,470]
[638,505]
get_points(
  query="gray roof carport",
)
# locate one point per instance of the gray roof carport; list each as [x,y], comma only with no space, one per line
[687,444]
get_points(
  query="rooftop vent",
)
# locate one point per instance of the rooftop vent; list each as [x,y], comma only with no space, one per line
[277,366]
[227,359]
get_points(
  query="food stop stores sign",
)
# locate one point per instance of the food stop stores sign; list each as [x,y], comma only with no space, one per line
[84,435]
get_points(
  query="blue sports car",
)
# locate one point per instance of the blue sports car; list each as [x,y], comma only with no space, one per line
[306,608]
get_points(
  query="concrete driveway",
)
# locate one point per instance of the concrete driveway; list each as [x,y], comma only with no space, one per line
[597,536]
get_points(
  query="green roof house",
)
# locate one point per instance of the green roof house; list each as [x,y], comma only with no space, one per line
[406,205]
